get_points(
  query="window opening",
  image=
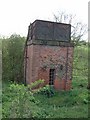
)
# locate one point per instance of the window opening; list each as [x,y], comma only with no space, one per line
[51,76]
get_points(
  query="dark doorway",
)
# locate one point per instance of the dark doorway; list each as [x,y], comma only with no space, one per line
[51,76]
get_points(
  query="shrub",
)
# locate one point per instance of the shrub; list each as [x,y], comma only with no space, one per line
[36,84]
[17,101]
[48,90]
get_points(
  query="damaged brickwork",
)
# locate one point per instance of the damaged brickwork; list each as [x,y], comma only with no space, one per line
[49,59]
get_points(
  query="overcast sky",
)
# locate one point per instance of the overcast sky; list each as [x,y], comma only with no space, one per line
[16,15]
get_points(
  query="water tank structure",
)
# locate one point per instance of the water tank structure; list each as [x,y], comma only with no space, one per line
[49,54]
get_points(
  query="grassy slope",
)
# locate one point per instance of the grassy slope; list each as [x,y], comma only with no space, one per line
[65,104]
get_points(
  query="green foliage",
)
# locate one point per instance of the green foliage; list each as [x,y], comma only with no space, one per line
[12,57]
[36,88]
[78,42]
[47,90]
[80,64]
[20,102]
[16,100]
[36,84]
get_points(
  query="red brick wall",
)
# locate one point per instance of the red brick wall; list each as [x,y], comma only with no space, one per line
[41,58]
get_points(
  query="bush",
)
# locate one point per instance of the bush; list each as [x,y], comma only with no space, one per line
[36,84]
[17,101]
[47,90]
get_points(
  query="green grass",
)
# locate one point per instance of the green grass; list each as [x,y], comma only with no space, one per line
[64,104]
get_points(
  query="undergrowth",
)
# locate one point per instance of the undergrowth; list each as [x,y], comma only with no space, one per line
[20,101]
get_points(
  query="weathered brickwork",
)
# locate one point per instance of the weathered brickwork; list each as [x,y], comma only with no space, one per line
[49,58]
[42,58]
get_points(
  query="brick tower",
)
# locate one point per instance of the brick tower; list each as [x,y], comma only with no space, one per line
[49,54]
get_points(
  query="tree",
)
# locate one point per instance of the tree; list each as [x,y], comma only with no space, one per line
[13,51]
[78,29]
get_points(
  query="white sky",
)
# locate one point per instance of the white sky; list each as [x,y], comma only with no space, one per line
[16,15]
